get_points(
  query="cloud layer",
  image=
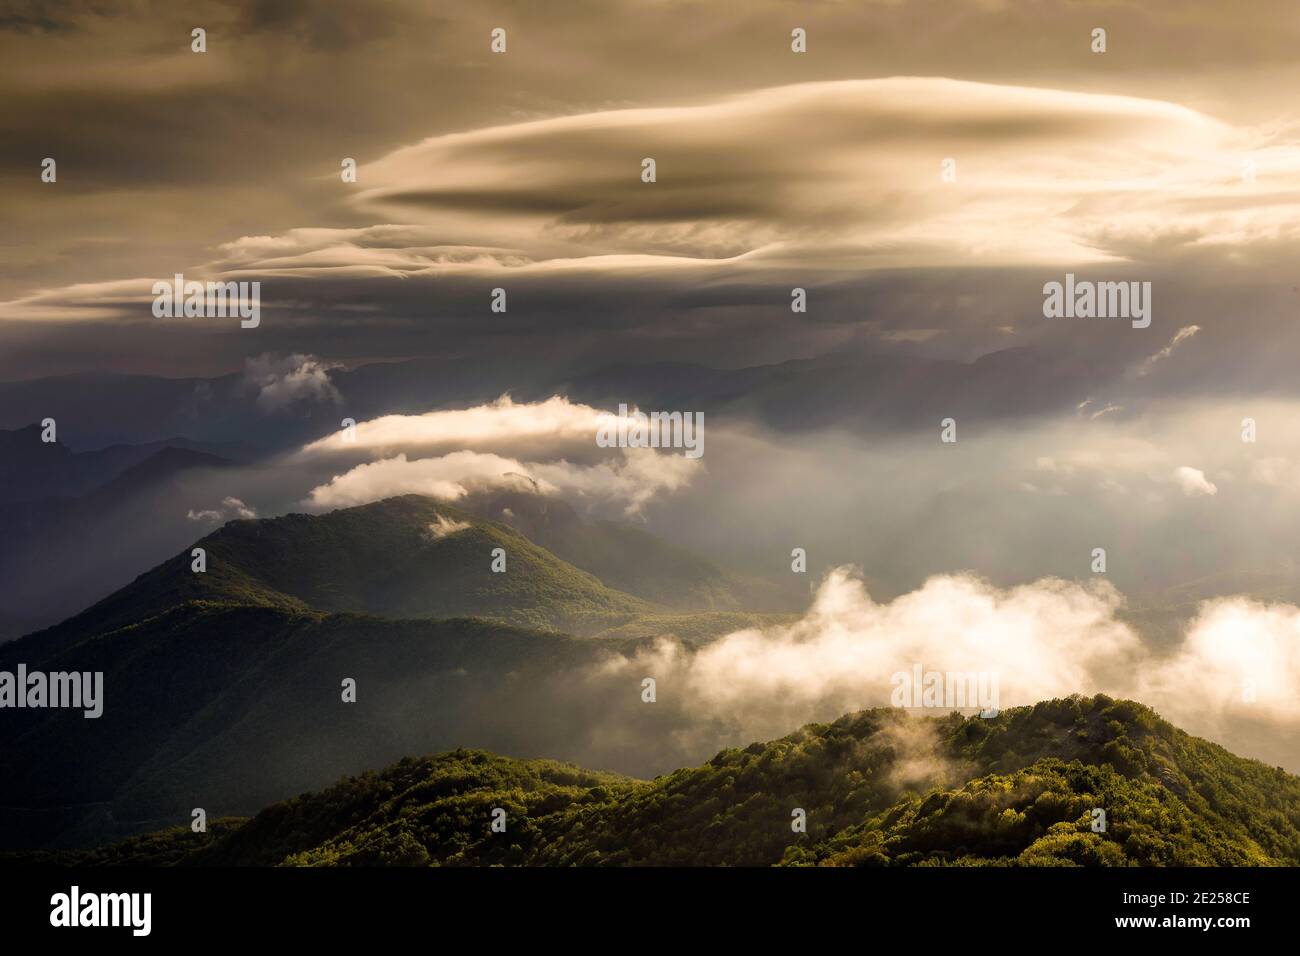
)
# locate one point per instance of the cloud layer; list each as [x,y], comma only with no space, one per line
[800,182]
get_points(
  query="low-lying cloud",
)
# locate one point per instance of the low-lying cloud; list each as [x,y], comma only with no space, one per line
[1234,676]
[231,508]
[444,527]
[283,382]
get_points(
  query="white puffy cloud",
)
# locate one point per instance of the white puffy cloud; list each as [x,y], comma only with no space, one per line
[548,446]
[555,425]
[1240,659]
[281,382]
[1193,481]
[634,477]
[1050,638]
[449,477]
[630,480]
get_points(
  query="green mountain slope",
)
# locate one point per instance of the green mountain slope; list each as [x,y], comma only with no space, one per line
[694,629]
[633,560]
[878,788]
[404,557]
[1042,816]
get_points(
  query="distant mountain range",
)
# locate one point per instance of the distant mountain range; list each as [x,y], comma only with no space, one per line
[75,526]
[1073,782]
[861,391]
[34,470]
[631,559]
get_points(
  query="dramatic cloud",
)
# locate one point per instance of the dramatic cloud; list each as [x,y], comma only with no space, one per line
[1239,664]
[848,647]
[630,482]
[1047,639]
[846,175]
[775,170]
[449,477]
[807,180]
[557,436]
[841,188]
[555,425]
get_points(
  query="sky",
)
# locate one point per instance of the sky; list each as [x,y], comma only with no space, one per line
[775,170]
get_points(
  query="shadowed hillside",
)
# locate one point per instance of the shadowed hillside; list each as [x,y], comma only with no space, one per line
[222,688]
[877,787]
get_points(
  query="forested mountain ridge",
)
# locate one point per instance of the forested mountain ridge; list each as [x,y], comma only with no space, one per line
[878,787]
[404,557]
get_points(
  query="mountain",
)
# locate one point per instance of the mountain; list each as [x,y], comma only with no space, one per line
[866,391]
[31,469]
[224,687]
[409,556]
[631,559]
[878,788]
[98,540]
[863,391]
[231,707]
[105,408]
